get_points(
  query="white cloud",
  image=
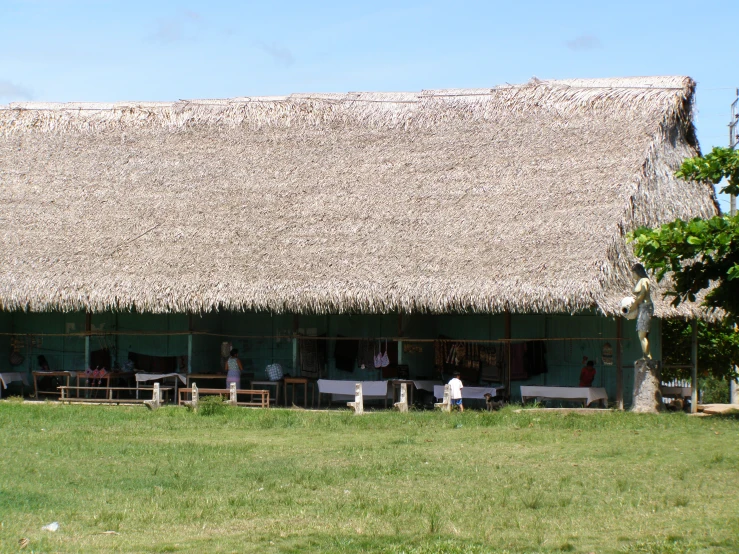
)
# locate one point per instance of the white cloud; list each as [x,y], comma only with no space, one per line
[13,91]
[583,43]
[278,53]
[182,26]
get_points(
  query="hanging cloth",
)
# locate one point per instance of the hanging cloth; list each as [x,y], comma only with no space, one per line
[378,357]
[384,360]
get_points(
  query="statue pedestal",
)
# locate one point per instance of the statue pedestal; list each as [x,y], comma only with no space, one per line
[647,395]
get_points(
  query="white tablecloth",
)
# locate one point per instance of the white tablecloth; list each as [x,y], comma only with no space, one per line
[682,392]
[427,385]
[346,388]
[142,377]
[589,394]
[470,392]
[10,376]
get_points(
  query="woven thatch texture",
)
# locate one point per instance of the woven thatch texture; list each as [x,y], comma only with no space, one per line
[513,198]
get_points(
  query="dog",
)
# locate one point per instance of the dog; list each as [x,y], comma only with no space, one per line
[490,404]
[676,405]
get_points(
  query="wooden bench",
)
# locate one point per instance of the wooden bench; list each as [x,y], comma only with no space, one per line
[261,402]
[108,398]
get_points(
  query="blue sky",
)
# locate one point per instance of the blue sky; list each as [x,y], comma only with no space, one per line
[87,50]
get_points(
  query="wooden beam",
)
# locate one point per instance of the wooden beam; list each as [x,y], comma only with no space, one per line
[619,365]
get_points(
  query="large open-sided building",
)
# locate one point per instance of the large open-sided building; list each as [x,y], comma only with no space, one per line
[306,228]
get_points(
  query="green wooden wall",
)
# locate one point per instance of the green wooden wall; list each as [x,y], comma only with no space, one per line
[564,356]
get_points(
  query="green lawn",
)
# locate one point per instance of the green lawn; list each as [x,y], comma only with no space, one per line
[296,481]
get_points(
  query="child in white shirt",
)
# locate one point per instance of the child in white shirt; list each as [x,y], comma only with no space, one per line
[455,388]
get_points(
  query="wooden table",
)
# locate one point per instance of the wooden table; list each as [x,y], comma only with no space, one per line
[37,374]
[305,381]
[204,376]
[108,378]
[145,377]
[275,384]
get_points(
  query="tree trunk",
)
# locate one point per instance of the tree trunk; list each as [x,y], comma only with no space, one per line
[647,396]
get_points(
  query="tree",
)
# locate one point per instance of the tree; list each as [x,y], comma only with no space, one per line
[701,256]
[718,349]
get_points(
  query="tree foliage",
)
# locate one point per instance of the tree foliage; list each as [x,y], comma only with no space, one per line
[718,349]
[702,254]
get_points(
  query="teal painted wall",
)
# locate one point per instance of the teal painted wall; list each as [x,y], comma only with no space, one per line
[244,330]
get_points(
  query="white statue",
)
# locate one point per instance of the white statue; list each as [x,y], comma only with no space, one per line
[642,308]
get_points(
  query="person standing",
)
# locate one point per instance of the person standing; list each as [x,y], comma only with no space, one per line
[233,369]
[455,389]
[587,374]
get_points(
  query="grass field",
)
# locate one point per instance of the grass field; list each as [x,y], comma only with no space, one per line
[296,481]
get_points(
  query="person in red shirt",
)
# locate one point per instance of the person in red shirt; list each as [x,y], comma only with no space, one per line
[587,374]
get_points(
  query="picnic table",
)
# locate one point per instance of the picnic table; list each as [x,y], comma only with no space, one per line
[146,377]
[9,377]
[36,374]
[476,393]
[588,395]
[370,389]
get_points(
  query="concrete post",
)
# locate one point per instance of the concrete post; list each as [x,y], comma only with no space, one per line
[195,398]
[358,403]
[446,404]
[232,395]
[403,404]
[156,399]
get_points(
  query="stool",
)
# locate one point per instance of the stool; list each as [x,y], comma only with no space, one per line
[294,381]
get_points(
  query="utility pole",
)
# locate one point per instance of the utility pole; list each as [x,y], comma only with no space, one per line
[734,140]
[733,143]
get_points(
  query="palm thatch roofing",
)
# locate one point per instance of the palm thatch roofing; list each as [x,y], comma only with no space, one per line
[515,198]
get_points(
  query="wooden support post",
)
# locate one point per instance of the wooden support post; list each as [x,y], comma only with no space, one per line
[296,326]
[156,399]
[400,341]
[358,403]
[403,404]
[694,369]
[88,328]
[507,330]
[232,401]
[189,344]
[619,365]
[446,403]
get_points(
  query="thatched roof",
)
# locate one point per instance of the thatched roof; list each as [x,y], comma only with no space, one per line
[512,198]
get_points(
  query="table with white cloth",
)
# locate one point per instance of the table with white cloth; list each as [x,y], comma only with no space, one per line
[145,377]
[426,385]
[370,389]
[676,392]
[412,384]
[477,393]
[9,377]
[583,394]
